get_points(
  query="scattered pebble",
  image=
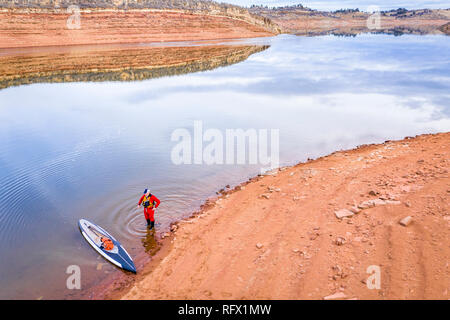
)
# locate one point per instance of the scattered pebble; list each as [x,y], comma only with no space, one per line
[395,202]
[406,221]
[366,205]
[355,210]
[339,241]
[343,213]
[376,202]
[314,236]
[337,295]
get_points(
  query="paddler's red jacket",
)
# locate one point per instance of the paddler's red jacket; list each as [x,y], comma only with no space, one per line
[152,199]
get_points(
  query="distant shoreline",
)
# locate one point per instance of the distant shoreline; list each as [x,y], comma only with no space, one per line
[300,20]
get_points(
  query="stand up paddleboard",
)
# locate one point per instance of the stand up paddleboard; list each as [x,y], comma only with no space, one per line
[106,245]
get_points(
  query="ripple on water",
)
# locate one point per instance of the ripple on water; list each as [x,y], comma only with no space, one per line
[16,210]
[124,217]
[120,215]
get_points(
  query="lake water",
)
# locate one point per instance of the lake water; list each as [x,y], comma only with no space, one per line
[88,150]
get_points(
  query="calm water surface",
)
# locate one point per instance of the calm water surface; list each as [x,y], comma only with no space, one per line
[87,150]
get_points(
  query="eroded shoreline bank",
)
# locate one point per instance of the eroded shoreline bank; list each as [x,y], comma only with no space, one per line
[310,231]
[34,28]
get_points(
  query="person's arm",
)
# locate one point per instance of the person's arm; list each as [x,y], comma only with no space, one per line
[155,199]
[140,200]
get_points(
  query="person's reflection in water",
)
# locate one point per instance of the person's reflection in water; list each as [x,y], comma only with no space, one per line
[150,243]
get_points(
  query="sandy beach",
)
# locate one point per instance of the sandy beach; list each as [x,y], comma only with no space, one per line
[311,231]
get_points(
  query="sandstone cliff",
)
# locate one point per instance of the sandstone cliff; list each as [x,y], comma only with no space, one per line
[193,6]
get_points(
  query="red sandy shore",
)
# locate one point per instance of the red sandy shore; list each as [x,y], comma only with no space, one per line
[20,29]
[279,236]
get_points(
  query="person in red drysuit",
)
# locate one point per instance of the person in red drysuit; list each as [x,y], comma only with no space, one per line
[150,203]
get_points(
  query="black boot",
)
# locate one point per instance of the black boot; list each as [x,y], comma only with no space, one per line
[148,222]
[152,225]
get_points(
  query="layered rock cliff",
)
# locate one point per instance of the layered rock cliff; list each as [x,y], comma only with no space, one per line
[193,6]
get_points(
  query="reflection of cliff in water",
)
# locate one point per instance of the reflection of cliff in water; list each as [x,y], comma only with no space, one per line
[118,64]
[352,32]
